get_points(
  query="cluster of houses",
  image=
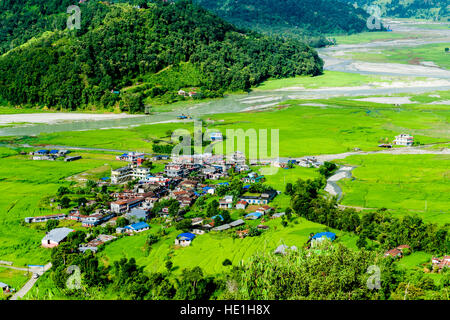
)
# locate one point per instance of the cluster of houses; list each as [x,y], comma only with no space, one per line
[52,155]
[94,244]
[176,182]
[440,263]
[132,157]
[191,93]
[307,162]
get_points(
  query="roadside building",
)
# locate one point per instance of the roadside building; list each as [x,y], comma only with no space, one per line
[74,158]
[253,177]
[320,237]
[278,215]
[404,140]
[4,287]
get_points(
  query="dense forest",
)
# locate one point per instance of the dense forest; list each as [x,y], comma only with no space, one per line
[308,20]
[419,9]
[125,46]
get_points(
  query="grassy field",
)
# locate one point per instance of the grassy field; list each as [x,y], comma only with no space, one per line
[410,55]
[366,37]
[328,79]
[208,251]
[132,139]
[406,183]
[283,176]
[14,278]
[339,126]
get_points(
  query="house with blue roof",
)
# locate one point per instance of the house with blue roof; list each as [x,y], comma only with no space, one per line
[253,216]
[223,184]
[321,236]
[253,177]
[184,239]
[134,228]
[217,216]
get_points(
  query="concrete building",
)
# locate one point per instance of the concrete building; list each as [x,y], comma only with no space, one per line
[404,140]
[127,173]
[55,237]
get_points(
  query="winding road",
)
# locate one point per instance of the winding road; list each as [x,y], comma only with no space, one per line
[27,287]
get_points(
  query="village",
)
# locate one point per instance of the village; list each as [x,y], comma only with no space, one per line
[197,194]
[167,197]
[181,183]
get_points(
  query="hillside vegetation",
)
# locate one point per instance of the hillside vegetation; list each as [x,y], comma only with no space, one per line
[121,46]
[419,9]
[294,18]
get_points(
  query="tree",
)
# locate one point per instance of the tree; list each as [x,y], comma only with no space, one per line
[65,202]
[81,202]
[51,224]
[212,208]
[121,222]
[184,225]
[62,191]
[327,169]
[288,188]
[169,265]
[254,232]
[147,164]
[227,262]
[151,240]
[361,242]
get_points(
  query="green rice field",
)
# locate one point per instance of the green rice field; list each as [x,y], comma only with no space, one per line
[405,183]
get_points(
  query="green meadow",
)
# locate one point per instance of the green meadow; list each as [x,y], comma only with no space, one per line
[283,176]
[405,183]
[208,251]
[365,37]
[328,79]
[410,55]
[339,126]
[139,138]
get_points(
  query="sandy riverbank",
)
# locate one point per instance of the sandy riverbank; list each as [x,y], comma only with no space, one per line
[59,117]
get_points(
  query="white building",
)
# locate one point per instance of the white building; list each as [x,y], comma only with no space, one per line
[404,140]
[128,173]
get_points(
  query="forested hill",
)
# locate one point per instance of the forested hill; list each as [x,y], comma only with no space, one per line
[297,18]
[124,55]
[420,9]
